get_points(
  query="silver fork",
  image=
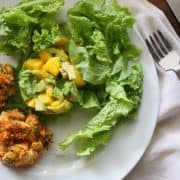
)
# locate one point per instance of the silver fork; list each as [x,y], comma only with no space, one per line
[163,53]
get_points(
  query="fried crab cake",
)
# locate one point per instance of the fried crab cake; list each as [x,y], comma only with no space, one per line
[22,138]
[6,83]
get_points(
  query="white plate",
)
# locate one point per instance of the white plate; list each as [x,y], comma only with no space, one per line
[114,161]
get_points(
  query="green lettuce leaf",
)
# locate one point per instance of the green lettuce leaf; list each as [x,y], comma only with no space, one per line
[84,97]
[45,38]
[40,6]
[103,52]
[99,47]
[94,72]
[87,145]
[27,84]
[100,39]
[127,84]
[23,24]
[101,123]
[30,86]
[88,99]
[125,93]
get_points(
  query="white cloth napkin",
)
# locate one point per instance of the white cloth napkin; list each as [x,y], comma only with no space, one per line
[162,159]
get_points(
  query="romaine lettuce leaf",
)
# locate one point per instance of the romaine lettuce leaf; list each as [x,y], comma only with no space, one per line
[125,93]
[30,85]
[84,97]
[101,123]
[99,48]
[127,84]
[93,71]
[27,84]
[88,99]
[100,39]
[45,38]
[40,6]
[103,52]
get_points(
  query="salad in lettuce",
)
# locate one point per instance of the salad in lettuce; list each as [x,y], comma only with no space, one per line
[89,61]
[51,84]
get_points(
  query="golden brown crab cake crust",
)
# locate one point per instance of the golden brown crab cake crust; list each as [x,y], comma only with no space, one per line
[6,83]
[22,138]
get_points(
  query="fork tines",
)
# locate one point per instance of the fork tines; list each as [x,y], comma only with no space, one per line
[158,45]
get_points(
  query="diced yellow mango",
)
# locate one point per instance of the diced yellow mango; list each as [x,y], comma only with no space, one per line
[79,79]
[43,74]
[52,66]
[62,53]
[60,106]
[31,103]
[56,104]
[33,64]
[40,74]
[45,98]
[49,90]
[62,41]
[44,55]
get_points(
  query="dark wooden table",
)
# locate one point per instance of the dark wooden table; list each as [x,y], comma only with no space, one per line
[163,5]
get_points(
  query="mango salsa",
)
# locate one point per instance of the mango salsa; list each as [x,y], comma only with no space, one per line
[46,68]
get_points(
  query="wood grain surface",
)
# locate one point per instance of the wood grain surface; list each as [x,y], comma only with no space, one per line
[163,5]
